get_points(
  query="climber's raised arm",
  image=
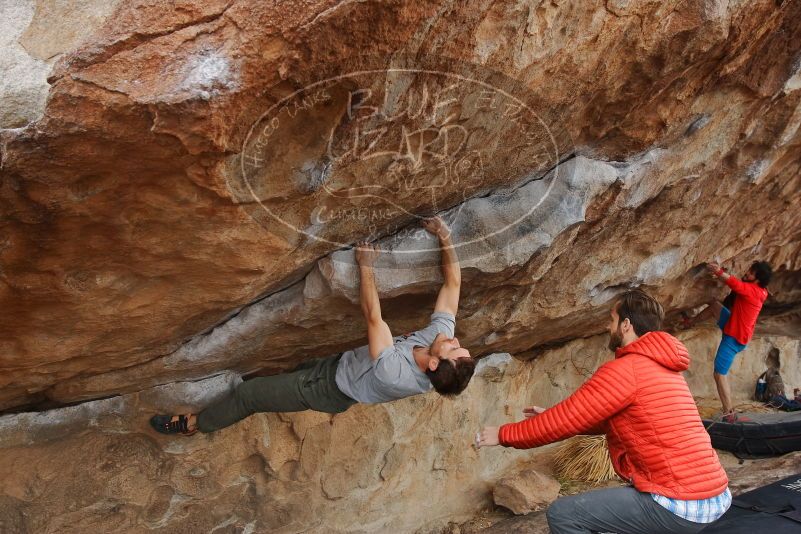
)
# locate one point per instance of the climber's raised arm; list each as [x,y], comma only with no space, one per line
[448,298]
[741,287]
[717,271]
[378,335]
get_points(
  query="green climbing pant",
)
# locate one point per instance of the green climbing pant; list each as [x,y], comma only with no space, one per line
[311,386]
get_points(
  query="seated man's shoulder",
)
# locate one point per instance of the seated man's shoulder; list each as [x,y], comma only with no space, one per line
[622,365]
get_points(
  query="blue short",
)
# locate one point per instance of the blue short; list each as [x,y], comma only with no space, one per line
[728,348]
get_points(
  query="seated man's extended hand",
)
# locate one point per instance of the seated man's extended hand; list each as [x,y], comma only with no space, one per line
[487,437]
[531,411]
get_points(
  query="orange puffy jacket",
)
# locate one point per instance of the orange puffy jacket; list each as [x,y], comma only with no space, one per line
[642,403]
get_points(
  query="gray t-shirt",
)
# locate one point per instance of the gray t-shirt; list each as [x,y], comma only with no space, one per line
[394,374]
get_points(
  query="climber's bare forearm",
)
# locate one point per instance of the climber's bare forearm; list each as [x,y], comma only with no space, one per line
[448,298]
[370,303]
[451,270]
[379,336]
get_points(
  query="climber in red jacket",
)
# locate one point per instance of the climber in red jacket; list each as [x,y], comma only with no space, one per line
[656,439]
[737,323]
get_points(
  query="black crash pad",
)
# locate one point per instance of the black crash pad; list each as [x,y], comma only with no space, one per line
[762,435]
[771,509]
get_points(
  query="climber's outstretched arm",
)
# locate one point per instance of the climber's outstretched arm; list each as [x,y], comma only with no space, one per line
[448,298]
[378,335]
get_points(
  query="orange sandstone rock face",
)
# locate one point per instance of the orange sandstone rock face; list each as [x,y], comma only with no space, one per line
[159,226]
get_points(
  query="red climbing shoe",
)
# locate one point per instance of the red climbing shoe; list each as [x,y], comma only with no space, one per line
[734,417]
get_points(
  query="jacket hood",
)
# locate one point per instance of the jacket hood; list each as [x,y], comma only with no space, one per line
[661,347]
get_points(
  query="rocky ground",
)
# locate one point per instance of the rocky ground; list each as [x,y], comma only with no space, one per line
[159,226]
[744,475]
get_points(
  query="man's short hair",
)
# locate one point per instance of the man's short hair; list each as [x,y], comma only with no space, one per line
[641,309]
[452,376]
[763,272]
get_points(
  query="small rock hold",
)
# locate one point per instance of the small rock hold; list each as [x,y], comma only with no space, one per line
[197,472]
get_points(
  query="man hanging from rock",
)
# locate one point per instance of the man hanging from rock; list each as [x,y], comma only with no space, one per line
[737,317]
[657,442]
[385,369]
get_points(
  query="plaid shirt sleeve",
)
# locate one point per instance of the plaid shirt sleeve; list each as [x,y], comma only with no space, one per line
[700,511]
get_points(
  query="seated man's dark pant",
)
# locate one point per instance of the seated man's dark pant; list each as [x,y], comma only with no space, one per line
[312,386]
[618,510]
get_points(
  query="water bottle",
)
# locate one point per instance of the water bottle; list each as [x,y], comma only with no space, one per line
[761,388]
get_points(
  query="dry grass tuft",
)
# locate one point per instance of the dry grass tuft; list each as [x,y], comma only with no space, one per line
[584,458]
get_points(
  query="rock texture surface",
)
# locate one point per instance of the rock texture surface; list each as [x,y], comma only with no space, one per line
[132,257]
[98,467]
